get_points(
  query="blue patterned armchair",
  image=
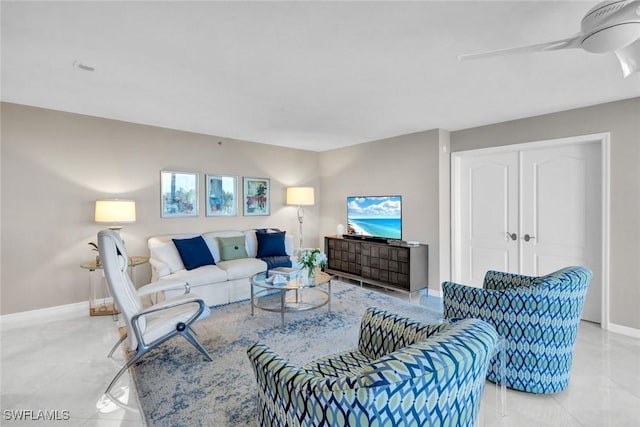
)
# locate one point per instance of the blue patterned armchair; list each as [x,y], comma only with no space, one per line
[403,373]
[538,316]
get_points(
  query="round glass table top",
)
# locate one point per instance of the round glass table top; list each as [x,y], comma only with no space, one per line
[297,282]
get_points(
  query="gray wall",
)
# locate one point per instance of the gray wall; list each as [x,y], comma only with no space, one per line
[407,165]
[55,165]
[622,120]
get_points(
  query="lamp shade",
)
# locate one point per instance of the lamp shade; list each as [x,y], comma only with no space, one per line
[300,196]
[115,211]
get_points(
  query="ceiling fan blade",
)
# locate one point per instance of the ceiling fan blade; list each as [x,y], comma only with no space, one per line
[568,43]
[629,58]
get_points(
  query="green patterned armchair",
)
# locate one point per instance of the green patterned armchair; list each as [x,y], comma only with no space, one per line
[403,373]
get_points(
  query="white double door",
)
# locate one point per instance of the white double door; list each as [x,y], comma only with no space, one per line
[530,212]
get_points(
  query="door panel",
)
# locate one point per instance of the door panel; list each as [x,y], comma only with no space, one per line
[553,263]
[483,259]
[553,195]
[560,208]
[488,202]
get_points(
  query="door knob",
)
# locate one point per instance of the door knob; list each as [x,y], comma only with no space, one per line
[513,236]
[527,237]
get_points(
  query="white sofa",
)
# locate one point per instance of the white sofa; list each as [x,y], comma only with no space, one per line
[222,283]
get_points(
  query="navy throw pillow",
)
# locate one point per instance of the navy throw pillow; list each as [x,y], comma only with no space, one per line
[270,244]
[194,252]
[277,261]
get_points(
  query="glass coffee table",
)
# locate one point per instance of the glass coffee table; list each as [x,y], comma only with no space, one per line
[297,294]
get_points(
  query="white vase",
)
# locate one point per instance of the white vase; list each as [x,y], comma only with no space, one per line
[340,230]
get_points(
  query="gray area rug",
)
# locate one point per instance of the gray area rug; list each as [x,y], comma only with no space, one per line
[178,387]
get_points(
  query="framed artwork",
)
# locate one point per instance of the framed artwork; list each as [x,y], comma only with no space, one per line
[256,196]
[221,194]
[179,194]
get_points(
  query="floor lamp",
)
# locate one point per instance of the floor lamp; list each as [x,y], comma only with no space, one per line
[114,212]
[300,196]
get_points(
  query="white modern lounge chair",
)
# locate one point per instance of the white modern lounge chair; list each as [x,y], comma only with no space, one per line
[147,327]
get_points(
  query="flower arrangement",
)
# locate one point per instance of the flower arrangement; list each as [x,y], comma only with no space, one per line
[312,258]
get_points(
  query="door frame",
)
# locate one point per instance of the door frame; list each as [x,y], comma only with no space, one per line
[603,139]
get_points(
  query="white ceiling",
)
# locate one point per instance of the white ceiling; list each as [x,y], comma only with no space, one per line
[311,75]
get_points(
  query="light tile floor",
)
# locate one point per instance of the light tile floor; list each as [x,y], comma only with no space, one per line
[61,365]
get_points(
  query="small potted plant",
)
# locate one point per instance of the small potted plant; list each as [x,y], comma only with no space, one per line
[311,259]
[94,247]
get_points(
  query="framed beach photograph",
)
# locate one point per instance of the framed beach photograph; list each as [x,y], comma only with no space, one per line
[256,196]
[179,194]
[221,193]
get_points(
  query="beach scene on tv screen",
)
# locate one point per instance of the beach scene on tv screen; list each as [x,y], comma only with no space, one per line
[379,216]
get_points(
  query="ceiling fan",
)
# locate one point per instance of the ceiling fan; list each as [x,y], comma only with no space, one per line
[610,26]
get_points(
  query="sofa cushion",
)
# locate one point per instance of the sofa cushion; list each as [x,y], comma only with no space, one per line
[194,252]
[270,244]
[251,242]
[242,268]
[232,248]
[204,275]
[167,253]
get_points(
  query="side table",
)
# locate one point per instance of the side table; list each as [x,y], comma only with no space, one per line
[99,306]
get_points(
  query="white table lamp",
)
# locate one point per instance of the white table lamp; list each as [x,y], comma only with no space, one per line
[300,196]
[115,212]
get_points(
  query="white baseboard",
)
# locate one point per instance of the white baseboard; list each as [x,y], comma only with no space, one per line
[46,314]
[624,330]
[435,293]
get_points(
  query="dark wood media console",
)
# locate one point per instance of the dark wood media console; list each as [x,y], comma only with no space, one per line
[394,265]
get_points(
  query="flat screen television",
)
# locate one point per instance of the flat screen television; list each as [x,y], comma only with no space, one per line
[375,216]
